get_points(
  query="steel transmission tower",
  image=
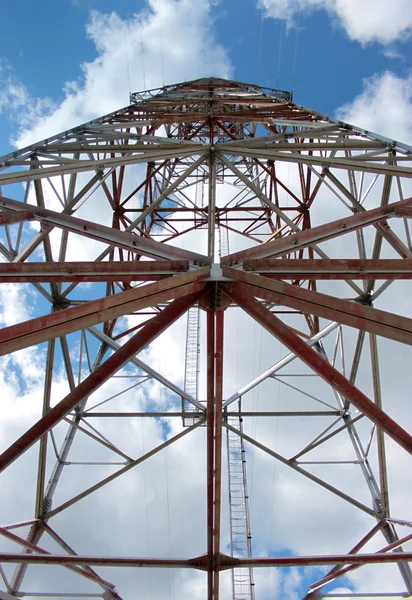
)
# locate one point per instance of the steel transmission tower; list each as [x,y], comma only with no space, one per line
[143,205]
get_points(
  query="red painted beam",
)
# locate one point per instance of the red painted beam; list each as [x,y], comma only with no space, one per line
[102,233]
[90,271]
[362,542]
[218,402]
[91,575]
[219,336]
[347,164]
[210,424]
[104,561]
[41,329]
[9,217]
[332,559]
[226,562]
[79,166]
[98,377]
[320,366]
[295,241]
[352,268]
[338,572]
[373,320]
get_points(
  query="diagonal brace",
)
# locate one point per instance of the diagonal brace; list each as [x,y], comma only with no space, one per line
[322,367]
[98,377]
[46,327]
[353,314]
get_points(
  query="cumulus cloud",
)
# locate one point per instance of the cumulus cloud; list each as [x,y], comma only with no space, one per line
[367,21]
[286,9]
[384,106]
[170,41]
[15,100]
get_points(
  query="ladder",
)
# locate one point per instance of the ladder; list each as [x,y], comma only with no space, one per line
[243,587]
[223,240]
[192,356]
[200,216]
[191,380]
[239,519]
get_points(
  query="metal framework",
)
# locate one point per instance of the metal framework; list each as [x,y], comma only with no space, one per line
[121,226]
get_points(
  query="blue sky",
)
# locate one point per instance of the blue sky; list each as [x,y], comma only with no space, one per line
[47,42]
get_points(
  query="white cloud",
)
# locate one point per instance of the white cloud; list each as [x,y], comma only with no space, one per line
[16,102]
[375,20]
[169,42]
[288,9]
[367,21]
[13,94]
[384,106]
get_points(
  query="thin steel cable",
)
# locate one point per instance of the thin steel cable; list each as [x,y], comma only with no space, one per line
[279,54]
[275,462]
[260,45]
[161,46]
[295,54]
[126,45]
[252,458]
[181,462]
[185,48]
[145,504]
[256,394]
[163,405]
[169,528]
[142,51]
[237,349]
[260,351]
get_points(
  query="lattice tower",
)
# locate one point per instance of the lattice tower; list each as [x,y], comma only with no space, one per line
[110,233]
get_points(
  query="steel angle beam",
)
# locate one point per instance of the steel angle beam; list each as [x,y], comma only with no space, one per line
[96,379]
[330,269]
[320,366]
[92,271]
[79,166]
[104,234]
[321,233]
[346,312]
[41,329]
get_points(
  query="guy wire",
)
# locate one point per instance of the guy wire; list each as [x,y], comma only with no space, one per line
[280,54]
[142,50]
[126,44]
[260,44]
[296,54]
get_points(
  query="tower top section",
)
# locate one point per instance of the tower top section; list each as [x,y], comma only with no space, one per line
[220,110]
[240,107]
[208,88]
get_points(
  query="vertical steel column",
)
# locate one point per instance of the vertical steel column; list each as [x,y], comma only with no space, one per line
[43,442]
[212,206]
[210,388]
[219,337]
[214,332]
